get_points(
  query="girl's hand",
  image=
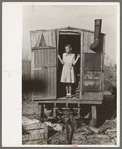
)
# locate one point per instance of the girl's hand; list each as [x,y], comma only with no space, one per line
[78,56]
[59,56]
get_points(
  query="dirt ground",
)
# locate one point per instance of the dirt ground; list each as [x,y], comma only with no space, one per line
[104,134]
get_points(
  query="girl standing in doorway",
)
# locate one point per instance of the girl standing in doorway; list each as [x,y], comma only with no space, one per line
[68,75]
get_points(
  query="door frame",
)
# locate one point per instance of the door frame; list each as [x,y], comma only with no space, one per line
[72,32]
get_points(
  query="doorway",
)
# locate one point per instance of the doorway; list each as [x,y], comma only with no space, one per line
[74,41]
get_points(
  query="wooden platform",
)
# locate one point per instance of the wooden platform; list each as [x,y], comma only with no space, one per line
[73,100]
[67,101]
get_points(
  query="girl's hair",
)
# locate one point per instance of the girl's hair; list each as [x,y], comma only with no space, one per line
[68,45]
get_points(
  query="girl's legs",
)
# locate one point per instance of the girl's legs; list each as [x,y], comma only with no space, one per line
[67,90]
[70,89]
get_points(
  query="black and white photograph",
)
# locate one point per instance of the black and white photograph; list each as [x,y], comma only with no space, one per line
[69,74]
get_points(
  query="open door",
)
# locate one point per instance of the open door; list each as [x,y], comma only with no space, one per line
[72,37]
[43,67]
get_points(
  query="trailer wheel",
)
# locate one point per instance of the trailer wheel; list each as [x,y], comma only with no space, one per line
[93,120]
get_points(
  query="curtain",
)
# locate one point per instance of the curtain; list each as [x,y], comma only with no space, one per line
[43,39]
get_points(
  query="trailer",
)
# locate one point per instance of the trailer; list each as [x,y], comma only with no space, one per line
[46,68]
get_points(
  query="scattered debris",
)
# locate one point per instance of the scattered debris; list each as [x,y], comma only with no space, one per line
[56,127]
[26,121]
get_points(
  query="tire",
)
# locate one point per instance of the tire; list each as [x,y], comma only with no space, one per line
[93,120]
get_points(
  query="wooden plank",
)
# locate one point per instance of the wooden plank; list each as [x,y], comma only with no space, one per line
[34,57]
[40,57]
[51,80]
[68,101]
[34,78]
[42,48]
[57,45]
[39,66]
[44,91]
[32,64]
[32,70]
[46,57]
[45,70]
[42,62]
[68,33]
[102,82]
[55,80]
[42,78]
[103,50]
[51,75]
[84,42]
[37,57]
[43,98]
[93,96]
[48,73]
[54,38]
[81,62]
[53,61]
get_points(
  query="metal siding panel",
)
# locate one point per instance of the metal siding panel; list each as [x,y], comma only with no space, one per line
[92,61]
[88,40]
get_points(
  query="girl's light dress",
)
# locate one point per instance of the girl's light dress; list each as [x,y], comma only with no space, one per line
[68,74]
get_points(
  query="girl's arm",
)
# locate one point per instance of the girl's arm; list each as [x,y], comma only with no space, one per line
[60,59]
[75,61]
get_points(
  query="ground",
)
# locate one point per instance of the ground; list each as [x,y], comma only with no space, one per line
[103,134]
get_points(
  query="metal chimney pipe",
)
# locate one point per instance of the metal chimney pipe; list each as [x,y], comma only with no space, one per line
[94,46]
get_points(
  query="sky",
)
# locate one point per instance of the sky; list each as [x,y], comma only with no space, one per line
[37,17]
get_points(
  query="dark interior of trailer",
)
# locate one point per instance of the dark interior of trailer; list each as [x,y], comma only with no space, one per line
[74,41]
